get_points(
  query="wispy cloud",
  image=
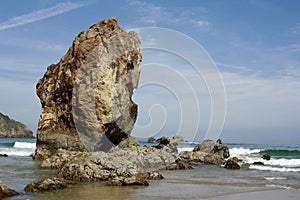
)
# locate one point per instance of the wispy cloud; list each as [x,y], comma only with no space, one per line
[296,29]
[153,15]
[235,67]
[38,15]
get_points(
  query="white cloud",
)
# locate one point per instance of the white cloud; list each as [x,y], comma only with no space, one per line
[263,103]
[38,15]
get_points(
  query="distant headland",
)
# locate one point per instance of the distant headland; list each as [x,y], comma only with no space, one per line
[10,128]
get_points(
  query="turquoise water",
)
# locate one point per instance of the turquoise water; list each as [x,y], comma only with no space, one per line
[204,181]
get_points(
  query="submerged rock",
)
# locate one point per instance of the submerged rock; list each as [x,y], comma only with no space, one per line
[86,97]
[6,192]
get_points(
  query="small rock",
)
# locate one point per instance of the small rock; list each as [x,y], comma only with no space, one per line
[154,176]
[163,140]
[258,163]
[231,164]
[48,184]
[151,140]
[3,155]
[179,164]
[266,157]
[138,179]
[219,141]
[6,192]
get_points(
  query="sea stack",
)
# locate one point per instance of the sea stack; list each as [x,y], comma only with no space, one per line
[86,97]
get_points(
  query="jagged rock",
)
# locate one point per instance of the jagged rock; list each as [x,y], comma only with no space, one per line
[86,97]
[10,128]
[266,157]
[231,164]
[6,192]
[48,184]
[208,152]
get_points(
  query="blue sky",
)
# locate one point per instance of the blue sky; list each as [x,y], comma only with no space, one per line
[254,44]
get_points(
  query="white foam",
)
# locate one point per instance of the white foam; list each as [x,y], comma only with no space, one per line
[274,169]
[17,152]
[24,145]
[280,186]
[283,162]
[239,152]
[275,178]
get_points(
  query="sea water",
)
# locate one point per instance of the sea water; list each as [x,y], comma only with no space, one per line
[204,181]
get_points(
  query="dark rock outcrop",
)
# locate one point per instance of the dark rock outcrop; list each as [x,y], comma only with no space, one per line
[232,163]
[6,192]
[10,128]
[266,157]
[208,152]
[86,97]
[258,163]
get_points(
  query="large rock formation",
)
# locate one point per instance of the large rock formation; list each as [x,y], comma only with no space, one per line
[86,97]
[10,128]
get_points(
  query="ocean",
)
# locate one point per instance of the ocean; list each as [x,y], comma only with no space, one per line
[278,177]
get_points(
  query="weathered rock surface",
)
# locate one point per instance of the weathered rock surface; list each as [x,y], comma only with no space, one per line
[10,128]
[208,152]
[86,97]
[127,166]
[6,192]
[48,184]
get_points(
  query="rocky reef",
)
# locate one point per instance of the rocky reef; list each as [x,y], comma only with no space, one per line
[10,128]
[86,97]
